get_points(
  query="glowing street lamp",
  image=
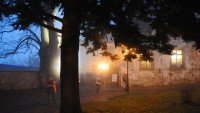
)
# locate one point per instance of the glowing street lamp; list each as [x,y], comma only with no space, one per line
[103,66]
[129,55]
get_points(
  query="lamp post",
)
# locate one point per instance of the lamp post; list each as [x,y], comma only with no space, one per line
[129,55]
[127,80]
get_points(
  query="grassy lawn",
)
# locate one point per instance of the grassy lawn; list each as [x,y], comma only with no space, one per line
[153,102]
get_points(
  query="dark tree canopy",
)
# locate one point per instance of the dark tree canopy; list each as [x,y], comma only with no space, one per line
[29,12]
[100,17]
[94,19]
[175,18]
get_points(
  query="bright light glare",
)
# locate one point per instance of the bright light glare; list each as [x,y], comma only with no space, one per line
[59,39]
[103,66]
[173,57]
[57,66]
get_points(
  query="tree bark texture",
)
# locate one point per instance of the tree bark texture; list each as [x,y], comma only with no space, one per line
[70,100]
[49,51]
[43,55]
[53,50]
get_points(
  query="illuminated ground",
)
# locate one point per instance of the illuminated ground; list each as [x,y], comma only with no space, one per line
[150,100]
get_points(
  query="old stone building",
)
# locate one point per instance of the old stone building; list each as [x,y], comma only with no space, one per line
[180,67]
[183,66]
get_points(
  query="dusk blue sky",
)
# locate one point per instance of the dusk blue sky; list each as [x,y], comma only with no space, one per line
[10,40]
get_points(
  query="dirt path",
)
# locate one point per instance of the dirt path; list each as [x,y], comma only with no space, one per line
[104,94]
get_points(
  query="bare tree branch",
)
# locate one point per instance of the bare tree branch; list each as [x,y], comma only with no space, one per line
[38,40]
[24,42]
[34,46]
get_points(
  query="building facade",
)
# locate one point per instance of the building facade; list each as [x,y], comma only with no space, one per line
[183,66]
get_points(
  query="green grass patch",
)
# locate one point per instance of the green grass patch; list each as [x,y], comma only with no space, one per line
[156,102]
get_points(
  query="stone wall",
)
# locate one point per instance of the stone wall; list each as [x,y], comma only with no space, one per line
[20,80]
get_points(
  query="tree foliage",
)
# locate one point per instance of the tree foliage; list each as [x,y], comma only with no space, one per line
[175,18]
[94,19]
[118,17]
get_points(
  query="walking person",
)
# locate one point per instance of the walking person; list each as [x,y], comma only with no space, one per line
[125,80]
[98,83]
[51,90]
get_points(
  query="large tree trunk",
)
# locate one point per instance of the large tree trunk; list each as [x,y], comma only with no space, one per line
[53,49]
[70,100]
[49,51]
[43,54]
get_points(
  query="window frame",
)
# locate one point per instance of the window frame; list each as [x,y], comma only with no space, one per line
[146,69]
[183,61]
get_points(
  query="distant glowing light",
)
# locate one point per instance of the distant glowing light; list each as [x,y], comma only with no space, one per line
[130,51]
[103,66]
